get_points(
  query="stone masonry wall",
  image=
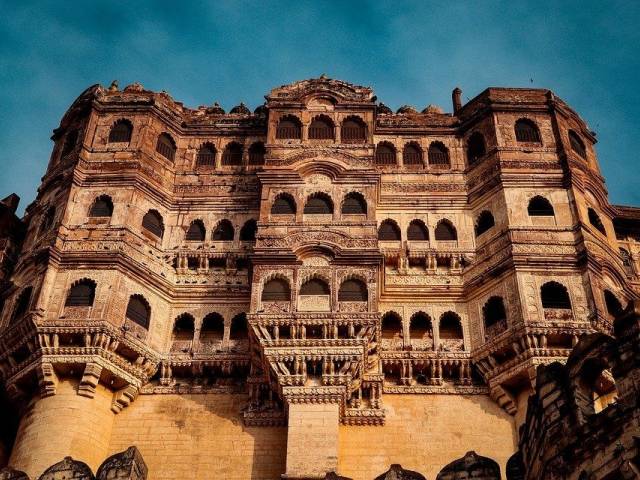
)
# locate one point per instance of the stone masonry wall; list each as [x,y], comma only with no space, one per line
[426,433]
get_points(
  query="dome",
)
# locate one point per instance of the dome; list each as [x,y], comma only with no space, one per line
[261,110]
[215,109]
[433,109]
[406,109]
[383,109]
[240,110]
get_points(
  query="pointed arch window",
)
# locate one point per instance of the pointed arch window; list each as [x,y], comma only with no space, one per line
[315,286]
[318,204]
[412,155]
[321,128]
[417,231]
[445,231]
[152,223]
[206,156]
[81,294]
[540,207]
[248,231]
[232,155]
[121,132]
[527,131]
[102,206]
[353,290]
[577,145]
[555,295]
[388,231]
[276,290]
[594,219]
[475,148]
[196,232]
[257,152]
[484,223]
[284,204]
[224,231]
[139,311]
[385,154]
[166,146]
[353,130]
[289,128]
[354,204]
[439,155]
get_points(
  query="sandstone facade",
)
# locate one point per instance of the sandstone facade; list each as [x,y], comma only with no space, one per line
[320,285]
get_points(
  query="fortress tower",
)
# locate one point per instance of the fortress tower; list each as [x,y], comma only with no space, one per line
[320,285]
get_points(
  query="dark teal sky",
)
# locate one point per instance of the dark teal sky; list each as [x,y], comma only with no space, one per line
[588,52]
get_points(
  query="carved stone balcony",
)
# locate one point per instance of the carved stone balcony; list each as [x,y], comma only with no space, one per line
[33,352]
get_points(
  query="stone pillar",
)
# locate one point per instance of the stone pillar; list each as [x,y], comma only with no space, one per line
[61,425]
[312,440]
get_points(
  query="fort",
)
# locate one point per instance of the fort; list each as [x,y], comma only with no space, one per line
[320,288]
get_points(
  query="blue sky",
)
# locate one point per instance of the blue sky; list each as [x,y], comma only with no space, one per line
[588,52]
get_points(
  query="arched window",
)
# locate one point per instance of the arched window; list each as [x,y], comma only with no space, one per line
[594,219]
[276,290]
[555,295]
[439,155]
[484,222]
[475,148]
[206,156]
[445,231]
[23,302]
[232,155]
[256,153]
[385,154]
[183,327]
[152,223]
[388,231]
[289,128]
[391,325]
[354,204]
[48,219]
[412,155]
[577,145]
[450,326]
[353,290]
[527,131]
[353,130]
[121,132]
[318,204]
[196,232]
[81,294]
[223,232]
[420,327]
[284,204]
[614,307]
[212,328]
[166,147]
[315,286]
[239,328]
[139,311]
[493,311]
[540,207]
[417,231]
[101,207]
[321,128]
[70,141]
[248,231]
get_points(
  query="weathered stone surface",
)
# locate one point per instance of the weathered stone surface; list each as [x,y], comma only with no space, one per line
[187,275]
